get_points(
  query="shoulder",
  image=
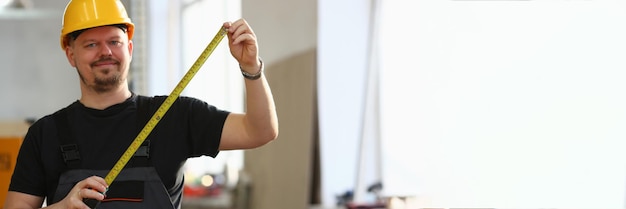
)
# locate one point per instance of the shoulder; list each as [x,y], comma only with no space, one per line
[185,101]
[183,105]
[48,122]
[158,99]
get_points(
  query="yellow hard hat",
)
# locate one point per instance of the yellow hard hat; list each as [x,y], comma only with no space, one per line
[84,14]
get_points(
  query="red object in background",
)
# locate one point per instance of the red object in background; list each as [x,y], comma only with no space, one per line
[194,191]
[366,206]
[201,191]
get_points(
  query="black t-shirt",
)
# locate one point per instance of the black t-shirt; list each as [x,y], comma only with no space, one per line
[190,128]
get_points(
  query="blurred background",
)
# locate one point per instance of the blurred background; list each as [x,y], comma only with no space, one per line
[382,104]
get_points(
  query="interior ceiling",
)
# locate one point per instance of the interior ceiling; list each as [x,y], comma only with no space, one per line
[23,9]
[17,4]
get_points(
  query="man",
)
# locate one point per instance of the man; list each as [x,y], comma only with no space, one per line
[65,155]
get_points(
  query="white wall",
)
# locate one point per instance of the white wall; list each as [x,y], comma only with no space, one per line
[35,77]
[516,104]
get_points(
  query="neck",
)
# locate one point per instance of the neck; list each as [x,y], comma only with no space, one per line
[102,100]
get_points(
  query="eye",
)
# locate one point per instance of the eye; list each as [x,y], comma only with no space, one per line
[90,45]
[116,43]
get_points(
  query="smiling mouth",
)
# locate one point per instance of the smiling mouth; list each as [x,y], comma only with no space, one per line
[104,62]
[104,65]
[100,64]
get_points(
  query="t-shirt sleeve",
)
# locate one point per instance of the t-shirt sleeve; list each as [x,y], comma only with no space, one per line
[206,123]
[28,175]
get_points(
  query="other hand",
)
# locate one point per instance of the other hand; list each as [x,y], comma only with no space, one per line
[90,188]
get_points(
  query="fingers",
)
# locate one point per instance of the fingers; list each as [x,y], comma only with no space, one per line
[90,188]
[243,43]
[88,193]
[239,31]
[95,183]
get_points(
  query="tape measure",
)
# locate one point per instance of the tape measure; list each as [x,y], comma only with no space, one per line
[158,115]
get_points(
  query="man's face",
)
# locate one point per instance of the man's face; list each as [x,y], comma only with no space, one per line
[102,57]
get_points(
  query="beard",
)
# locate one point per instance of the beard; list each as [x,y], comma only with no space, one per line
[105,84]
[104,81]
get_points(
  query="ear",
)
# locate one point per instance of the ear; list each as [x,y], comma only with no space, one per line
[69,53]
[130,49]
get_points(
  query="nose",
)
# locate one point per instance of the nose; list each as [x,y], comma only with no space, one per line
[105,50]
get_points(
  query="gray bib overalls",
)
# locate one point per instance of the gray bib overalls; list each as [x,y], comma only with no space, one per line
[136,187]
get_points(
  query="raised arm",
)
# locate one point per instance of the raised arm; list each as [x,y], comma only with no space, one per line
[259,124]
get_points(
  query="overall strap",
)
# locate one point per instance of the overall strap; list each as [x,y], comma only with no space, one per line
[141,156]
[69,148]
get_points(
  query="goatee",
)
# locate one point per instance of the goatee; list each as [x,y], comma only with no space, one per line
[104,85]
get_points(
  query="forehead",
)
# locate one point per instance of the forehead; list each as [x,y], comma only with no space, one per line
[103,32]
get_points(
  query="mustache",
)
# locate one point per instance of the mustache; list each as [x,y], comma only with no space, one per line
[105,60]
